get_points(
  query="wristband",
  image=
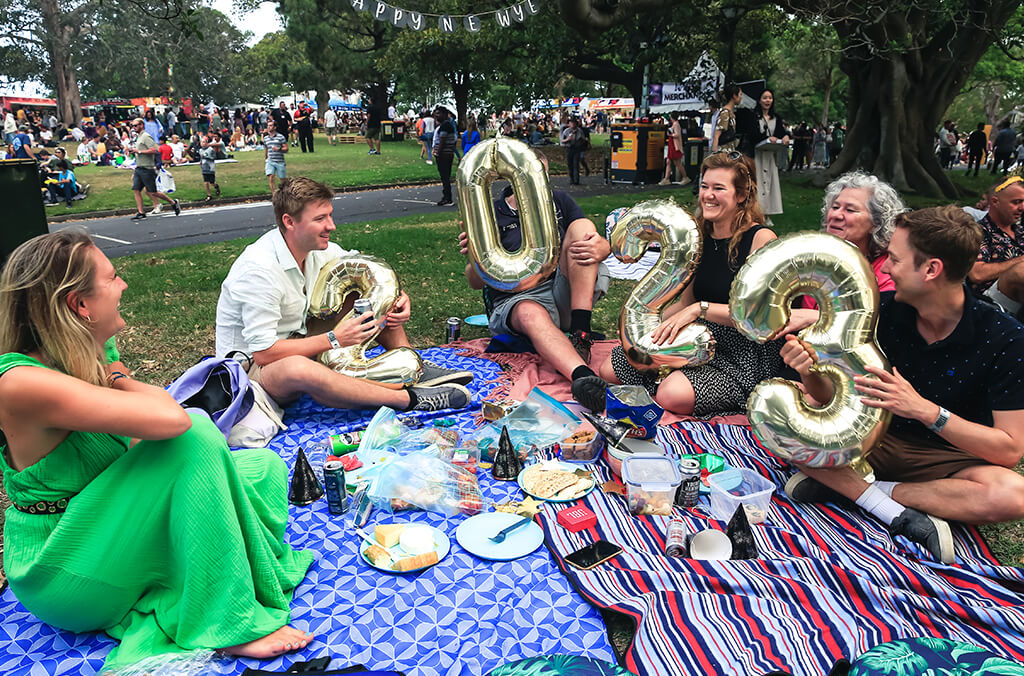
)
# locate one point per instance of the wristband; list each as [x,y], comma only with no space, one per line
[941,421]
[113,376]
[704,305]
[333,339]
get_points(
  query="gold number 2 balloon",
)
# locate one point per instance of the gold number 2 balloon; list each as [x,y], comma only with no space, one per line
[837,276]
[375,280]
[665,222]
[536,259]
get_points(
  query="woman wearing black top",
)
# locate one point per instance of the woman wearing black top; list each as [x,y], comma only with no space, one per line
[730,218]
[767,126]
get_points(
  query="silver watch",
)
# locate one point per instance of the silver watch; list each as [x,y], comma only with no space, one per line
[333,339]
[941,421]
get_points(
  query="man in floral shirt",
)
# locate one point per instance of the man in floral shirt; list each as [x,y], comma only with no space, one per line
[1002,247]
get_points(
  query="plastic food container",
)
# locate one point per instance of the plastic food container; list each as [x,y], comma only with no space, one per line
[741,486]
[651,483]
[587,450]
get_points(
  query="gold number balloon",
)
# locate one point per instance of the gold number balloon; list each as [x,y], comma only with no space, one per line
[837,276]
[373,279]
[537,257]
[665,222]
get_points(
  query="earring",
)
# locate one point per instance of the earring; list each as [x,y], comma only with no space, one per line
[88,318]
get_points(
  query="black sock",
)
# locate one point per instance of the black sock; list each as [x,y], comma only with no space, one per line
[582,371]
[580,320]
[413,399]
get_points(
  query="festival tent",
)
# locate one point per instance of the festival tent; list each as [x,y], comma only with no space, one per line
[703,82]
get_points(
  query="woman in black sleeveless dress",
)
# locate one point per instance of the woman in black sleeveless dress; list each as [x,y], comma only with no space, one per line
[730,219]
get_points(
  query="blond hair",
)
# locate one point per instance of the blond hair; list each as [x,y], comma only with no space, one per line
[34,310]
[749,212]
[295,194]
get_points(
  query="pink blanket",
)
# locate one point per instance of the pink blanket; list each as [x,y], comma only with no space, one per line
[524,371]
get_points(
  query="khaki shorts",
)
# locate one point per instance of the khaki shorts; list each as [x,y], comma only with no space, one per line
[254,374]
[898,459]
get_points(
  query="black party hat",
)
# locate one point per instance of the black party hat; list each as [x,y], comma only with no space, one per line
[506,461]
[738,530]
[613,431]
[305,488]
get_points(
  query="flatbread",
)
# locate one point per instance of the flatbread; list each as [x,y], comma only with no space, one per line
[546,483]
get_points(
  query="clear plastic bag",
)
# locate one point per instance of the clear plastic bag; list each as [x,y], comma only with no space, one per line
[425,481]
[539,421]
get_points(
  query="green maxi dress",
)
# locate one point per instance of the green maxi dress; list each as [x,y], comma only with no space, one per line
[166,546]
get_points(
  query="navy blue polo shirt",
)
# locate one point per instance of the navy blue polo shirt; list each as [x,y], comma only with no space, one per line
[977,369]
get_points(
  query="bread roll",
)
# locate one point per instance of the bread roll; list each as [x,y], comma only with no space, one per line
[414,562]
[377,556]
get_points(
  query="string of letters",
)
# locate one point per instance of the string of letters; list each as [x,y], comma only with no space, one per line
[448,23]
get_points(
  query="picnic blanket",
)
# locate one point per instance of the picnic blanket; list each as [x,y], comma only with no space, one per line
[828,583]
[463,616]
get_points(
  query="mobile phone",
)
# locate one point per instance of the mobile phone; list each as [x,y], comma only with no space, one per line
[593,554]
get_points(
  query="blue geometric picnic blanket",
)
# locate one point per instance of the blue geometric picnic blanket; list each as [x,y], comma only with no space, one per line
[462,616]
[827,584]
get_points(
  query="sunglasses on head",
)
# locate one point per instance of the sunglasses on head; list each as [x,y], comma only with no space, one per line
[731,154]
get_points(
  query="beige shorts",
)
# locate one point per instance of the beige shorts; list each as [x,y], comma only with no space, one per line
[254,374]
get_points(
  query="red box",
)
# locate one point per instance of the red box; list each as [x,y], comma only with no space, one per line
[576,518]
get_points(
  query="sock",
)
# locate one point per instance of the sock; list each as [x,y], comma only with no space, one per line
[580,320]
[887,486]
[413,399]
[876,502]
[582,371]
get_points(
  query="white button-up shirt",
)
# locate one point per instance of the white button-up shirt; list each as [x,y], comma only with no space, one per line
[265,298]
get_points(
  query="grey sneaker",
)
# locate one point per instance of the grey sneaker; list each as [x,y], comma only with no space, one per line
[804,489]
[440,398]
[435,374]
[591,391]
[929,531]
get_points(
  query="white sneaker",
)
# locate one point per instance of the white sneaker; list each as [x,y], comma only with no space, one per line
[664,181]
[157,209]
[430,161]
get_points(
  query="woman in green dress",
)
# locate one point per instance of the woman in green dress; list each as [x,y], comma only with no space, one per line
[168,544]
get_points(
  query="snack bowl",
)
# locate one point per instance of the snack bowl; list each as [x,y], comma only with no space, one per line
[651,482]
[587,446]
[710,545]
[740,486]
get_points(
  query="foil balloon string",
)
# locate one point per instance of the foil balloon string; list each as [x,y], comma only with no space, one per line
[374,280]
[537,258]
[836,275]
[667,223]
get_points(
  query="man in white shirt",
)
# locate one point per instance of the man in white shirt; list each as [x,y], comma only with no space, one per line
[331,126]
[263,306]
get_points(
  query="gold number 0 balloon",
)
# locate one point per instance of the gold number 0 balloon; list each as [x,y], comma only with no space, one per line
[665,222]
[373,279]
[838,277]
[536,259]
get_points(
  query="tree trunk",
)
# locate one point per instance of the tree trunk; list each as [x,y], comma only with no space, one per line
[990,103]
[60,35]
[828,97]
[323,100]
[459,82]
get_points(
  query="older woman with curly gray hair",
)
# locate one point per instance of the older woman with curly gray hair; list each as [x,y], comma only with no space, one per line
[862,209]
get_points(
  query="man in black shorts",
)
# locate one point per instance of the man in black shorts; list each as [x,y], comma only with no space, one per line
[956,394]
[144,177]
[374,117]
[561,303]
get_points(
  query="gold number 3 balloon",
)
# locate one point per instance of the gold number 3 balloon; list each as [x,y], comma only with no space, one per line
[536,259]
[665,222]
[838,277]
[373,279]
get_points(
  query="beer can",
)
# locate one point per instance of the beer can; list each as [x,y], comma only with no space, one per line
[346,442]
[362,505]
[676,541]
[452,329]
[334,481]
[362,306]
[689,488]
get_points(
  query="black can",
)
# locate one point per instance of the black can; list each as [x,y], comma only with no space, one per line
[334,480]
[362,505]
[452,329]
[677,539]
[689,488]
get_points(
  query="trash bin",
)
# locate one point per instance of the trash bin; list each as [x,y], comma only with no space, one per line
[693,156]
[399,130]
[637,153]
[24,213]
[387,130]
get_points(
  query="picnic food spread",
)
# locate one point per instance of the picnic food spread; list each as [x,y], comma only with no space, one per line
[554,484]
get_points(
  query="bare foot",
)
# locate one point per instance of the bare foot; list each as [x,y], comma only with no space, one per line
[284,640]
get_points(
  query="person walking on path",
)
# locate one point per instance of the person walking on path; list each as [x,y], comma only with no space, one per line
[144,176]
[444,152]
[275,145]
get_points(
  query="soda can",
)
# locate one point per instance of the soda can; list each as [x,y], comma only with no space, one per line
[362,505]
[677,539]
[345,443]
[689,488]
[362,306]
[334,481]
[452,329]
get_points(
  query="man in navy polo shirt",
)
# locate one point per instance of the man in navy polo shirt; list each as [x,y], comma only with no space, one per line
[956,394]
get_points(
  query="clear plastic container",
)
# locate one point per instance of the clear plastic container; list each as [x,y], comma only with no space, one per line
[651,483]
[740,486]
[588,449]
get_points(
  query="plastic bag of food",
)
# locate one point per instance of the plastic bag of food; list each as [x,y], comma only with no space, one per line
[539,421]
[425,481]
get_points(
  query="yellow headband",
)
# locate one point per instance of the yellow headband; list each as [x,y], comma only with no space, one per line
[1007,183]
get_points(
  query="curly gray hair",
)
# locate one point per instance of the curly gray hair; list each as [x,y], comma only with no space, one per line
[884,205]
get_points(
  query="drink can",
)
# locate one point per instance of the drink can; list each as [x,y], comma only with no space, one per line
[362,505]
[676,541]
[334,481]
[362,306]
[452,329]
[346,442]
[689,488]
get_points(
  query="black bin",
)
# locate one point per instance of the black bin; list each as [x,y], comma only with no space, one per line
[24,213]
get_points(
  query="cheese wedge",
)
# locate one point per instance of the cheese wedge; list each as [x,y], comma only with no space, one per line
[388,534]
[414,562]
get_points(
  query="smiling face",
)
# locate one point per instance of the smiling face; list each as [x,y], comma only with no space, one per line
[900,265]
[310,229]
[849,217]
[766,100]
[100,307]
[719,201]
[1006,206]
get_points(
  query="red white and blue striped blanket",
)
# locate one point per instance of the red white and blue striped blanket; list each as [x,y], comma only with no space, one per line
[827,584]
